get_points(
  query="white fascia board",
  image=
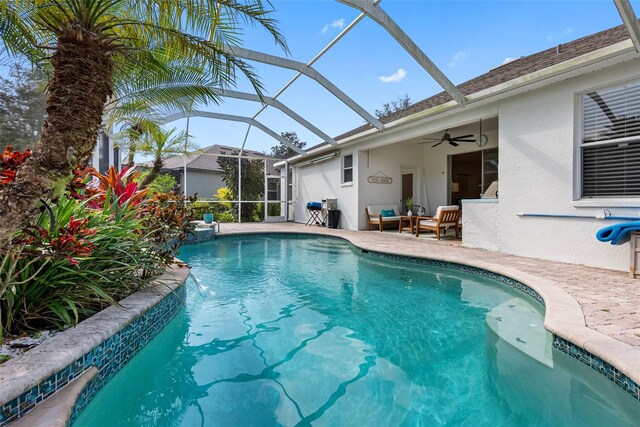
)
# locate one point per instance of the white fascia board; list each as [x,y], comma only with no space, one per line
[602,58]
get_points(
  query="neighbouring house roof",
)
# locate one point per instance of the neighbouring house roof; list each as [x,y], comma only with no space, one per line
[509,71]
[207,159]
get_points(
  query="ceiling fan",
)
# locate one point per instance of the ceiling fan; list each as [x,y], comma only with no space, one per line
[448,138]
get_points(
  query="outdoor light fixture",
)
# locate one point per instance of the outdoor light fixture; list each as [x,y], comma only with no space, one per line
[319,159]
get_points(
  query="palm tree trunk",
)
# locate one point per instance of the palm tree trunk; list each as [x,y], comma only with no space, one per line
[155,170]
[131,155]
[76,96]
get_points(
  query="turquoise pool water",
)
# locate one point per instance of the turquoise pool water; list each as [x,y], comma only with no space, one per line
[310,331]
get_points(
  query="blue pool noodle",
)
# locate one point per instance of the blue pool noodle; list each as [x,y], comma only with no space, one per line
[617,234]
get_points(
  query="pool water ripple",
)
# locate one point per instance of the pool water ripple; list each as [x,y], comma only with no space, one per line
[311,332]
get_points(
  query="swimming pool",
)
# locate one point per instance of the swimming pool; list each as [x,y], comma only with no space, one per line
[286,331]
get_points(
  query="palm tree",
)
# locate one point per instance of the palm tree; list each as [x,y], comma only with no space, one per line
[132,132]
[160,144]
[93,50]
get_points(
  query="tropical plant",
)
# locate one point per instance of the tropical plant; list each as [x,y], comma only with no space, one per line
[131,133]
[94,50]
[75,265]
[118,187]
[164,184]
[224,195]
[167,221]
[408,203]
[161,144]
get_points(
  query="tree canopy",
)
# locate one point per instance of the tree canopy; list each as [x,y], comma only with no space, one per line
[281,151]
[21,106]
[393,106]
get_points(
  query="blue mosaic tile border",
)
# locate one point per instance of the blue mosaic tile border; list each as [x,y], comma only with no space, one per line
[599,365]
[561,344]
[199,236]
[109,357]
[461,267]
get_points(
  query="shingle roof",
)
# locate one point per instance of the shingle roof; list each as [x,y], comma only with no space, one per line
[207,160]
[510,71]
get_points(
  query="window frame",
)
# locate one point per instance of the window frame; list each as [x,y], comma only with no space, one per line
[344,168]
[580,199]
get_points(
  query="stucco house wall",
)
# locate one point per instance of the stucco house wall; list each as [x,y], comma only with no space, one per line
[205,183]
[538,139]
[313,183]
[538,161]
[388,160]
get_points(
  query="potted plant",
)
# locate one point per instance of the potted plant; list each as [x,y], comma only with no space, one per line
[408,203]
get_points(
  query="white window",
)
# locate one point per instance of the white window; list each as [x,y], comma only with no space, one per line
[610,143]
[347,168]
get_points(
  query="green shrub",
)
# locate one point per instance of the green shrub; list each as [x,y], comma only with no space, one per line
[164,184]
[226,217]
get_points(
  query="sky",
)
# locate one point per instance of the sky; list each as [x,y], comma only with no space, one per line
[463,38]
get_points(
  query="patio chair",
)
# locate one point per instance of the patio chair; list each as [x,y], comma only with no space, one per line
[445,217]
[376,218]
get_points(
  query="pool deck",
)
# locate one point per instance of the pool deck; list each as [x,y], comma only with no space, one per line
[596,309]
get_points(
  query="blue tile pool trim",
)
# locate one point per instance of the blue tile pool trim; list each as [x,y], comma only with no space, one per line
[109,357]
[599,365]
[199,236]
[578,353]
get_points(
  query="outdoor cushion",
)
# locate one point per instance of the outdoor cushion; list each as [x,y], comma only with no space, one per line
[445,208]
[386,213]
[434,223]
[384,219]
[377,209]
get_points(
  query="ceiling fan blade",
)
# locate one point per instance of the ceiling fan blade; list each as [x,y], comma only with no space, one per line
[434,146]
[463,136]
[462,140]
[453,143]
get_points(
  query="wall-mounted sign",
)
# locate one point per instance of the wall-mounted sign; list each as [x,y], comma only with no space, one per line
[379,178]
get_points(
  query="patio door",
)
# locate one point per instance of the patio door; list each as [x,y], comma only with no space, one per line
[471,174]
[275,203]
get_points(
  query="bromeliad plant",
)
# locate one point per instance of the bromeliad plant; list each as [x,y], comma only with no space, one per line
[75,265]
[88,251]
[119,186]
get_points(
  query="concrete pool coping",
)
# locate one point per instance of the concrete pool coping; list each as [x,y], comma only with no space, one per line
[564,315]
[20,375]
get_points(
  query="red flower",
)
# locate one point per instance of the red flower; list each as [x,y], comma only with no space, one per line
[9,162]
[72,241]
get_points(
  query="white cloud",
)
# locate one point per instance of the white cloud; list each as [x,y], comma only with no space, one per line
[398,76]
[458,57]
[338,23]
[509,59]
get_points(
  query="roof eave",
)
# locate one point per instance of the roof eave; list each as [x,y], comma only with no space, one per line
[621,51]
